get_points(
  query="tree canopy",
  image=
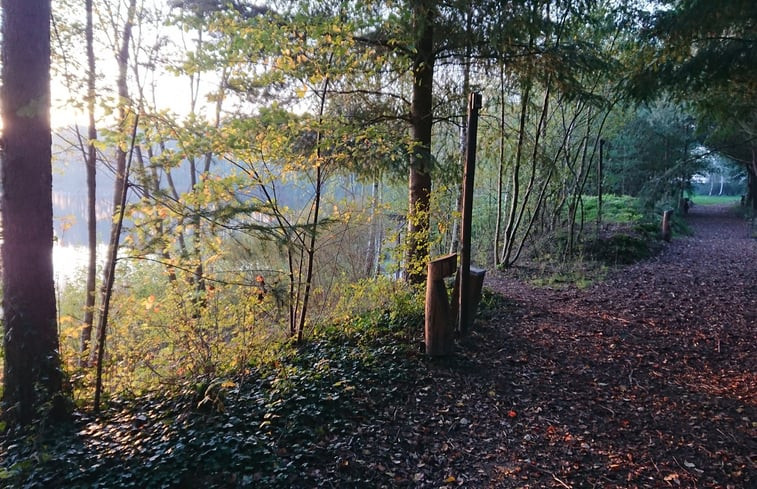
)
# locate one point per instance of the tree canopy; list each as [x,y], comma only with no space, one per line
[268,163]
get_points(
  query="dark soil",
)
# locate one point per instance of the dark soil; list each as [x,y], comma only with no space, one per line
[647,379]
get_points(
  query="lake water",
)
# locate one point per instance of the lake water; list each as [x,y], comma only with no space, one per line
[70,263]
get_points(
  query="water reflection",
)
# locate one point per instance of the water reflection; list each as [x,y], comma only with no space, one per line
[70,263]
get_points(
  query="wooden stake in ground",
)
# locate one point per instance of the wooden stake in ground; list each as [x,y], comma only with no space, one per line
[474,104]
[439,319]
[667,234]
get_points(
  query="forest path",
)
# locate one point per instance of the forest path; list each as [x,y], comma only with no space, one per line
[647,379]
[650,376]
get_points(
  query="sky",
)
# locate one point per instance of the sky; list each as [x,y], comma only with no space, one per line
[172,92]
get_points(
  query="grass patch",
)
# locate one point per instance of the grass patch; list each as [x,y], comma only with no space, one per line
[716,200]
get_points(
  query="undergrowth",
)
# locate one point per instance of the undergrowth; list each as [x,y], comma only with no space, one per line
[258,428]
[630,232]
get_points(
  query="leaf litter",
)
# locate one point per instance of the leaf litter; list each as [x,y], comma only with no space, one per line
[647,379]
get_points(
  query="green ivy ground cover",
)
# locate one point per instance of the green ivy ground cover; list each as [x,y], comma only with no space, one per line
[257,429]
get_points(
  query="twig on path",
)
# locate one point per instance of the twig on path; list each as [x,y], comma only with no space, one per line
[545,471]
[566,486]
[729,435]
[605,407]
[681,466]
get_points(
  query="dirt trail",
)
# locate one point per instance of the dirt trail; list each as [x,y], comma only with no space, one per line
[653,369]
[648,379]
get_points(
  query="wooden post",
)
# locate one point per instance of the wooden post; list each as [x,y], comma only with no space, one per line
[666,222]
[599,185]
[474,104]
[476,285]
[439,325]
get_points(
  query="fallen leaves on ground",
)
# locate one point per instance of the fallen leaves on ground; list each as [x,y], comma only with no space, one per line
[647,379]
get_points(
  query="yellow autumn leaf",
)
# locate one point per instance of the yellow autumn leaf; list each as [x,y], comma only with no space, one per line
[149,302]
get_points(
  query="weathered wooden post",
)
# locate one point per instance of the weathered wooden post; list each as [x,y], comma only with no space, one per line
[474,104]
[440,323]
[599,185]
[476,285]
[667,234]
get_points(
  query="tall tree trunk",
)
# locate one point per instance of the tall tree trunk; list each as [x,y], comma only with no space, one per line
[465,61]
[750,199]
[516,216]
[501,166]
[752,181]
[89,304]
[119,196]
[197,279]
[510,227]
[576,202]
[33,376]
[421,109]
[310,248]
[374,236]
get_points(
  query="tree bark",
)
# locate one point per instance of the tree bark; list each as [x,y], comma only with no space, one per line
[501,164]
[119,198]
[752,182]
[421,110]
[33,376]
[91,167]
[510,226]
[310,249]
[466,62]
[373,254]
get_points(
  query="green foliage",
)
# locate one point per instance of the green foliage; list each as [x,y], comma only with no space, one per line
[156,338]
[255,428]
[615,209]
[703,53]
[371,297]
[652,155]
[629,241]
[630,232]
[723,34]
